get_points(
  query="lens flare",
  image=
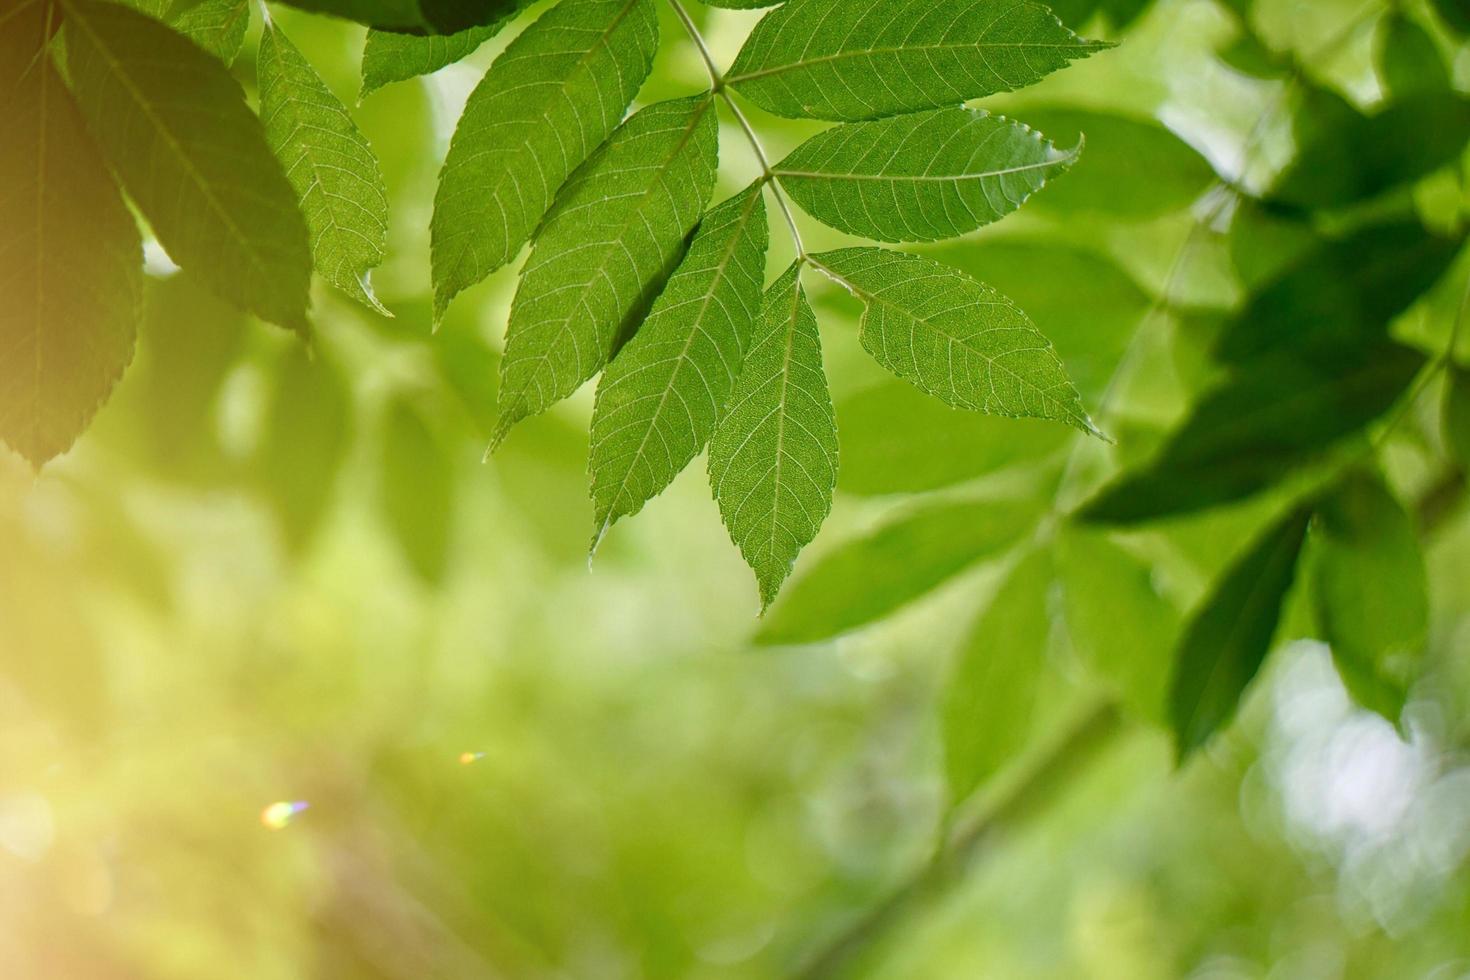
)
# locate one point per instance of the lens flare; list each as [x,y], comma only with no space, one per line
[281,813]
[466,758]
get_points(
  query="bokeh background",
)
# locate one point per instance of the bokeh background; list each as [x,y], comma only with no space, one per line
[273,576]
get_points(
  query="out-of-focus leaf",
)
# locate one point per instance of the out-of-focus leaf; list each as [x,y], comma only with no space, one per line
[659,400]
[848,60]
[1132,168]
[390,57]
[954,337]
[175,127]
[990,700]
[1248,56]
[896,439]
[217,26]
[413,16]
[1456,417]
[1370,590]
[1368,155]
[604,253]
[307,425]
[1408,59]
[544,106]
[417,487]
[1273,415]
[1079,13]
[923,176]
[868,578]
[1228,637]
[70,256]
[329,163]
[1344,292]
[1455,14]
[773,456]
[1118,623]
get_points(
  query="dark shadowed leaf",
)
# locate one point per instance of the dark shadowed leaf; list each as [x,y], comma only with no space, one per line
[1408,59]
[868,578]
[217,26]
[1456,416]
[1228,637]
[413,16]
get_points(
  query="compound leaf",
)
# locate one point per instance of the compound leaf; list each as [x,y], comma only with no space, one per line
[661,396]
[954,337]
[70,255]
[604,252]
[175,127]
[329,163]
[848,60]
[920,177]
[1228,637]
[868,578]
[545,105]
[773,456]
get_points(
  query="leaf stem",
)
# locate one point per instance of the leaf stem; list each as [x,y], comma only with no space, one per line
[717,85]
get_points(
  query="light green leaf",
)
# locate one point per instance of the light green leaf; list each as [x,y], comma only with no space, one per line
[193,157]
[217,26]
[391,57]
[920,177]
[1228,637]
[329,163]
[660,398]
[1370,590]
[544,106]
[868,578]
[1275,414]
[773,457]
[604,252]
[863,59]
[70,255]
[954,337]
[1118,623]
[989,705]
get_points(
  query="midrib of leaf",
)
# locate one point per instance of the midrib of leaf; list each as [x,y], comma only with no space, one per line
[503,428]
[874,299]
[782,414]
[41,150]
[918,178]
[147,110]
[715,280]
[904,49]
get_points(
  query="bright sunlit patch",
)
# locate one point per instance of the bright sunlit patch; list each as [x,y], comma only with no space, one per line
[466,758]
[280,814]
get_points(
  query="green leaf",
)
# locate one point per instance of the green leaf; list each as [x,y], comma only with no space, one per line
[773,457]
[1456,415]
[849,60]
[329,163]
[870,577]
[1370,590]
[1369,155]
[1118,623]
[989,704]
[1228,637]
[604,252]
[660,398]
[217,26]
[1134,168]
[413,16]
[193,157]
[417,487]
[1408,59]
[920,177]
[544,106]
[1455,14]
[1275,414]
[741,4]
[389,57]
[954,337]
[1344,291]
[70,255]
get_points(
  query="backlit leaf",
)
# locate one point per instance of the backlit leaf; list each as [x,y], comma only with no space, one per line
[70,255]
[1370,590]
[863,59]
[954,337]
[1228,637]
[920,177]
[217,26]
[659,399]
[392,57]
[329,163]
[604,252]
[413,16]
[544,106]
[868,578]
[773,457]
[192,156]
